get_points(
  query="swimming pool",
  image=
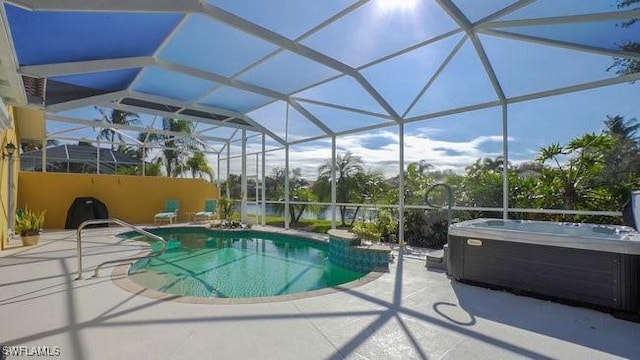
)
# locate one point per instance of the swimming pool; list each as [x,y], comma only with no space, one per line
[205,263]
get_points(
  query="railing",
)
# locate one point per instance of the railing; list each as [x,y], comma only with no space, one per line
[121,223]
[449,199]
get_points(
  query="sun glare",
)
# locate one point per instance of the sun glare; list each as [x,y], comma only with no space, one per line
[396,5]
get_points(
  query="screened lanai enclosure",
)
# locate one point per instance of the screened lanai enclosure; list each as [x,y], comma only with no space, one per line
[523,108]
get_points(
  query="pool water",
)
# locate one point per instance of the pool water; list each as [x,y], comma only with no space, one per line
[242,265]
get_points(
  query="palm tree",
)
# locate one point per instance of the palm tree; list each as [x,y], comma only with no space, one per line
[117,117]
[570,180]
[622,161]
[176,149]
[347,166]
[198,166]
[620,128]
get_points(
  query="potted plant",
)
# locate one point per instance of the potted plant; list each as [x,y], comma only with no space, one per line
[28,225]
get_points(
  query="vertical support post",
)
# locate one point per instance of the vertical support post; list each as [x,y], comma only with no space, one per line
[243,179]
[227,190]
[44,147]
[401,186]
[505,160]
[287,215]
[10,186]
[264,187]
[144,156]
[257,191]
[333,182]
[98,157]
[218,172]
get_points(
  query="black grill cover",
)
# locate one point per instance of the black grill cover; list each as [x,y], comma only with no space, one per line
[86,208]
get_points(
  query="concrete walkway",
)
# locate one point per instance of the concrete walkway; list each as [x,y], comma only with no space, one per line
[408,313]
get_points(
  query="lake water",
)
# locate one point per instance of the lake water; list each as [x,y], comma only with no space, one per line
[323,214]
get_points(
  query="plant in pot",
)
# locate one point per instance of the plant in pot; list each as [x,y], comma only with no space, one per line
[225,211]
[28,225]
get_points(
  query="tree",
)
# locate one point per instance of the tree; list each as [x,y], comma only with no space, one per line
[298,192]
[176,149]
[346,167]
[621,172]
[568,181]
[367,187]
[117,117]
[627,65]
[198,166]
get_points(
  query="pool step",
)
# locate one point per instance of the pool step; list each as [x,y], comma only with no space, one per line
[437,259]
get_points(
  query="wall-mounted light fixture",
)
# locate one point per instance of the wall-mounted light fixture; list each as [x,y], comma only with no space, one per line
[9,150]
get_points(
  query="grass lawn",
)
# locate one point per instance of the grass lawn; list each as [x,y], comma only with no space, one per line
[316,226]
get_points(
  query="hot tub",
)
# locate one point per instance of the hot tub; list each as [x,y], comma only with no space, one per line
[589,264]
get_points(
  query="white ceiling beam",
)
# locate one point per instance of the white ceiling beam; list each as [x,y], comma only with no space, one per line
[184,105]
[533,96]
[169,114]
[233,83]
[345,108]
[136,141]
[159,50]
[561,44]
[312,118]
[410,48]
[488,68]
[435,75]
[205,75]
[248,27]
[559,20]
[503,12]
[256,126]
[83,67]
[140,129]
[575,88]
[86,101]
[9,63]
[172,6]
[68,130]
[454,111]
[450,8]
[367,128]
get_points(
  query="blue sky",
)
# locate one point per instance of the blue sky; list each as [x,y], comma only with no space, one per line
[374,30]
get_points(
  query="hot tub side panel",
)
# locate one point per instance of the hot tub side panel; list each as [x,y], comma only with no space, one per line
[597,278]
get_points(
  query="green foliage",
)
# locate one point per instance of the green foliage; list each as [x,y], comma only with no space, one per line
[383,228]
[627,65]
[198,166]
[117,117]
[176,149]
[152,169]
[29,222]
[567,183]
[346,168]
[226,208]
[426,228]
[367,231]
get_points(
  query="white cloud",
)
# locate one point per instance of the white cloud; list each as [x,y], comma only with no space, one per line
[442,154]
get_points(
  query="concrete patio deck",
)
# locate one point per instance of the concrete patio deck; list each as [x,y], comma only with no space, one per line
[409,313]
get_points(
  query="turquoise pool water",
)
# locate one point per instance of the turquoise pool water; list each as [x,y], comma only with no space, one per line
[205,263]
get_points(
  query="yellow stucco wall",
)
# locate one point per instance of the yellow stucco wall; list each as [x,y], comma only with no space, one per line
[134,199]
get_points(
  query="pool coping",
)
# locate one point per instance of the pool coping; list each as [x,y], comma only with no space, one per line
[120,277]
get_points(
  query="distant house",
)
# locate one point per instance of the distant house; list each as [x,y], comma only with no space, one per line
[76,159]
